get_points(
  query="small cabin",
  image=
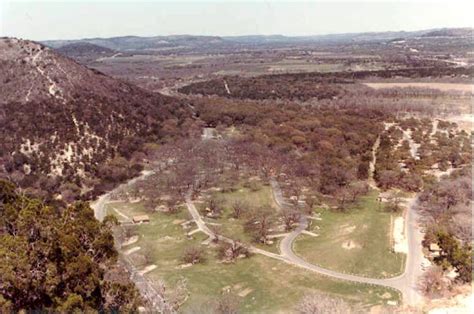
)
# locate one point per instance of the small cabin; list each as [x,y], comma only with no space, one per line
[141,219]
[435,250]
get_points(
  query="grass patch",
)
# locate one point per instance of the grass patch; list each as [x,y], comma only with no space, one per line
[234,228]
[347,240]
[275,286]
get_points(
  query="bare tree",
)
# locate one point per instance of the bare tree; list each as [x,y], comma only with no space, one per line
[433,284]
[238,209]
[173,298]
[193,255]
[227,303]
[290,217]
[322,304]
[259,223]
[393,204]
[311,200]
[216,206]
[357,189]
[228,252]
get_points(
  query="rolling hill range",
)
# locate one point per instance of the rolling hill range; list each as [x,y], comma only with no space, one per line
[137,43]
[62,122]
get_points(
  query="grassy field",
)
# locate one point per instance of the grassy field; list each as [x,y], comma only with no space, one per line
[356,242]
[271,285]
[233,228]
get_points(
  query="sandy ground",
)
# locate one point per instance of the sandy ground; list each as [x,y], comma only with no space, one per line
[130,241]
[132,250]
[464,121]
[459,304]
[467,88]
[147,269]
[400,243]
[122,215]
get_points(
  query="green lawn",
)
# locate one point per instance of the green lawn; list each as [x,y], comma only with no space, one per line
[275,286]
[233,228]
[356,242]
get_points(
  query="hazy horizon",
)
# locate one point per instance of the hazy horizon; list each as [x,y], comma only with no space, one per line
[61,20]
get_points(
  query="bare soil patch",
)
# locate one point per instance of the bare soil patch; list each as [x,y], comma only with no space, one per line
[349,245]
[466,88]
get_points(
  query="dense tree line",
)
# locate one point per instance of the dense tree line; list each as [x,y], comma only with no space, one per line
[304,86]
[447,211]
[329,149]
[57,259]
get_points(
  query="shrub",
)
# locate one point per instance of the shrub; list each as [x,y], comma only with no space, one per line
[193,255]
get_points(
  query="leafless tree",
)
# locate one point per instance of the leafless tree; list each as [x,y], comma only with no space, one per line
[259,223]
[227,303]
[238,209]
[290,217]
[433,283]
[193,255]
[173,298]
[228,252]
[215,204]
[357,189]
[322,304]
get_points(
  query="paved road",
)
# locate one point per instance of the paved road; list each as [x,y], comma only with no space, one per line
[99,205]
[405,283]
[287,255]
[197,217]
[143,284]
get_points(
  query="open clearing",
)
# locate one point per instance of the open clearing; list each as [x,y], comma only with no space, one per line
[347,240]
[260,282]
[467,88]
[233,228]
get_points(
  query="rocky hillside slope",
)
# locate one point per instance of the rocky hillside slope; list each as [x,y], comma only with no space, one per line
[66,128]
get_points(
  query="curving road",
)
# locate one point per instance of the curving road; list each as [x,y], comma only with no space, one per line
[406,283]
[99,205]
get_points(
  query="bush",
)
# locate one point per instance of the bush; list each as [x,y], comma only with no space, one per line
[253,186]
[193,255]
[228,252]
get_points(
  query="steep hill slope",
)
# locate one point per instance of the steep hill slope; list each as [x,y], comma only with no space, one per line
[65,128]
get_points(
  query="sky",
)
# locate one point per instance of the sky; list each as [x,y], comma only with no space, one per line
[74,19]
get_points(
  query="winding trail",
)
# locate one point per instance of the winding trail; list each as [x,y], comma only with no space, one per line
[99,205]
[146,287]
[406,283]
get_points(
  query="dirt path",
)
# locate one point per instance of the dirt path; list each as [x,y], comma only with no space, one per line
[372,163]
[227,87]
[413,146]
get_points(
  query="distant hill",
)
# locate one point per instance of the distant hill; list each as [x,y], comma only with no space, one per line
[66,128]
[82,49]
[130,43]
[450,32]
[141,43]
